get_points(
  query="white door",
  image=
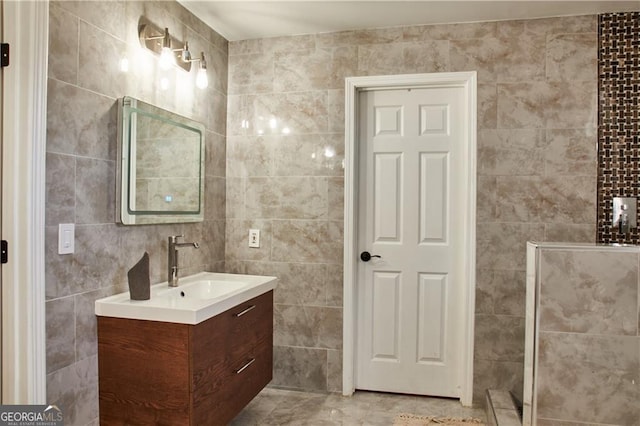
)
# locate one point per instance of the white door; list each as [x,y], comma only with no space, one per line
[410,318]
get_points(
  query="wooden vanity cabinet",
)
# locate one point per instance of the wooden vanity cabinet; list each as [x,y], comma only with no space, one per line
[159,373]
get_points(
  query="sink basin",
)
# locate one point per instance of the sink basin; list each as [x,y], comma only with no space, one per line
[207,289]
[197,298]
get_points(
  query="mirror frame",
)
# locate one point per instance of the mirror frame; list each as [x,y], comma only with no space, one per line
[126,216]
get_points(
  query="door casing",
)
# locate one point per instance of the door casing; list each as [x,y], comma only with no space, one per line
[23,190]
[353,85]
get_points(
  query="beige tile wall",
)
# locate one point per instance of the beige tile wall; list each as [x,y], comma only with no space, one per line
[537,105]
[588,353]
[87,41]
[536,114]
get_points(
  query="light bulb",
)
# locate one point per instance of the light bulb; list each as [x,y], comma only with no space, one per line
[167,58]
[202,81]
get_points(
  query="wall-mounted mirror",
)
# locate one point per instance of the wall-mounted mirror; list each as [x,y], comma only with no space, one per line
[160,165]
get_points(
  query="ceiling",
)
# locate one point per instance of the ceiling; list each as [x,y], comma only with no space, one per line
[243,20]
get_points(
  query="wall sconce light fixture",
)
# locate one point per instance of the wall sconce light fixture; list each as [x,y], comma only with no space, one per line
[202,81]
[160,42]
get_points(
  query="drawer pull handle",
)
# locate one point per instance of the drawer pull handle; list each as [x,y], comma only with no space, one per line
[239,314]
[244,367]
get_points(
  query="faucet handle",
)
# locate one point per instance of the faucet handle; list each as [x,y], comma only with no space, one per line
[174,238]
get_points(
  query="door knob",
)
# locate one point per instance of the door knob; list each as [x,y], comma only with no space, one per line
[365,256]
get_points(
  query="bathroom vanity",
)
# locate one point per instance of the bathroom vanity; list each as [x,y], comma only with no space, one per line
[185,373]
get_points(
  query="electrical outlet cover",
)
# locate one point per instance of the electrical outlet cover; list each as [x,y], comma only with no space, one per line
[254,238]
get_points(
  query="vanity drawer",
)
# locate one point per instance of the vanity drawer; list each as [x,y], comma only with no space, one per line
[232,360]
[232,332]
[250,317]
[242,380]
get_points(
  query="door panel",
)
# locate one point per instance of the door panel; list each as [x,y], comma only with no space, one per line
[434,173]
[432,302]
[388,120]
[409,154]
[388,207]
[434,119]
[386,316]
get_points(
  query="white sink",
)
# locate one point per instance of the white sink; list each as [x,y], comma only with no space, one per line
[197,298]
[206,289]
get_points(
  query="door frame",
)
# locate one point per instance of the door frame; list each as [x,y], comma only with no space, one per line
[354,85]
[23,185]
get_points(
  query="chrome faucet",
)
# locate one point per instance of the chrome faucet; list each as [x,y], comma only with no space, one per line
[172,261]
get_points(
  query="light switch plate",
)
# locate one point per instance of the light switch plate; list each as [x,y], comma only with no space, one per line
[66,238]
[254,238]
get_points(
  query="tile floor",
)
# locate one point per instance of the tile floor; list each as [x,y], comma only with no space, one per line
[283,407]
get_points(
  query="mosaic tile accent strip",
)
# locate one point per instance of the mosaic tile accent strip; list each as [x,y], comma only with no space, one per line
[618,118]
